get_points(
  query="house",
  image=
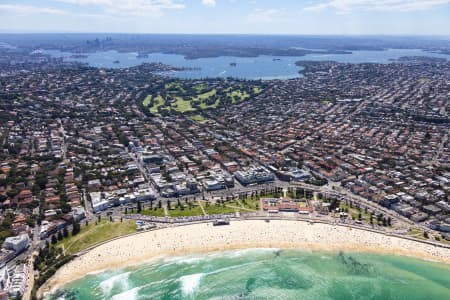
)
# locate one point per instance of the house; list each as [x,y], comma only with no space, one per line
[419,217]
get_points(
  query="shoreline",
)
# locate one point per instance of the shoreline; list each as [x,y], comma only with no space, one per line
[197,238]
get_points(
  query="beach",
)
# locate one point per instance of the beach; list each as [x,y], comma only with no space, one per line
[204,237]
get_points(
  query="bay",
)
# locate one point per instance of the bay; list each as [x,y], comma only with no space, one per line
[261,67]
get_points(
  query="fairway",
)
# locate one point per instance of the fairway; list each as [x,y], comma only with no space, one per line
[198,118]
[184,97]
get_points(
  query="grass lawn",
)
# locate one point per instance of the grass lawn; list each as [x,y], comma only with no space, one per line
[251,203]
[257,89]
[416,233]
[212,209]
[159,212]
[186,212]
[442,240]
[206,95]
[147,100]
[354,213]
[199,87]
[201,92]
[203,105]
[159,101]
[94,234]
[175,86]
[238,96]
[198,118]
[182,105]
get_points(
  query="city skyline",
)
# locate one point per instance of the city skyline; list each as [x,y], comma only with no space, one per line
[325,17]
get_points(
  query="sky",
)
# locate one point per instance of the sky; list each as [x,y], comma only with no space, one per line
[315,17]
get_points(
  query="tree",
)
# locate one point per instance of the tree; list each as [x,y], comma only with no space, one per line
[60,236]
[425,234]
[65,232]
[379,218]
[75,228]
[139,207]
[359,216]
[54,240]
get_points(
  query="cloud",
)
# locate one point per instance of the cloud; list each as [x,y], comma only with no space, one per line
[28,9]
[263,15]
[376,5]
[130,7]
[210,3]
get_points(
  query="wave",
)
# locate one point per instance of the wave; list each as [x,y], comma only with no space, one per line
[190,283]
[127,295]
[193,259]
[120,281]
[182,260]
[221,270]
[244,252]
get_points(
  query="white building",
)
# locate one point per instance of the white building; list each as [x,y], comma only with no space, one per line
[4,278]
[254,175]
[78,213]
[213,184]
[17,243]
[18,281]
[99,203]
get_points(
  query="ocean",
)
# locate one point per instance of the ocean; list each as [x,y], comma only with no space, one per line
[268,274]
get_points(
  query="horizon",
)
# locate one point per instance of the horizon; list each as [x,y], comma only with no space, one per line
[230,17]
[229,34]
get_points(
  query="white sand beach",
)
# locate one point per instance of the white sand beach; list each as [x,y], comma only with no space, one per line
[202,237]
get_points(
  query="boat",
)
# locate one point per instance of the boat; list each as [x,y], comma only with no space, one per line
[116,62]
[233,64]
[78,56]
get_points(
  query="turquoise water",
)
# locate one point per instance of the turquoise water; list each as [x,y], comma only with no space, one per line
[269,274]
[261,67]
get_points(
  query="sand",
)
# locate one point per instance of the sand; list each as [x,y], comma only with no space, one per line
[202,237]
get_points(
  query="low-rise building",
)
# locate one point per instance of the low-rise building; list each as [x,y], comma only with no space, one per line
[17,243]
[18,281]
[285,205]
[254,175]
